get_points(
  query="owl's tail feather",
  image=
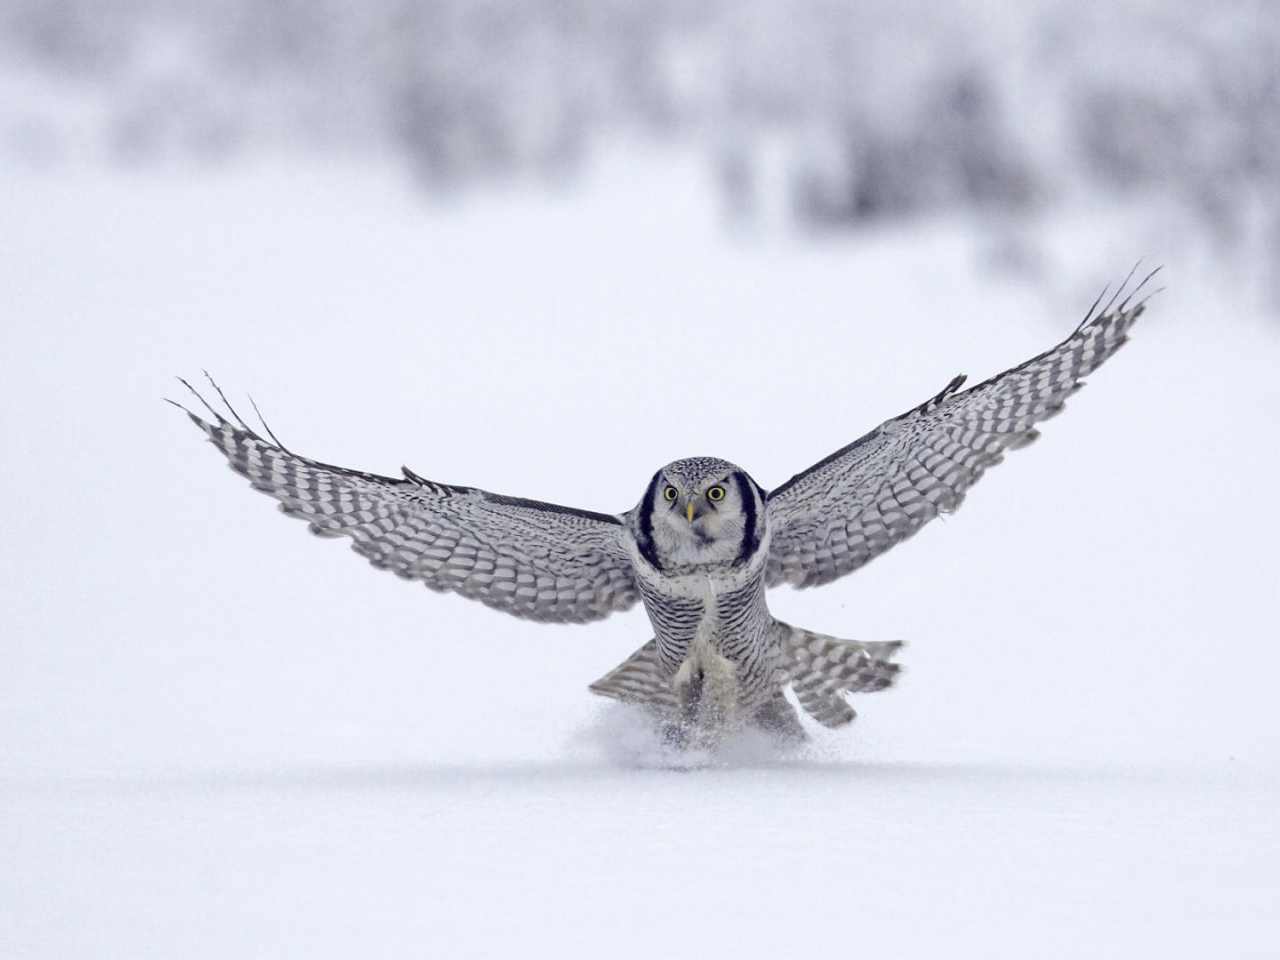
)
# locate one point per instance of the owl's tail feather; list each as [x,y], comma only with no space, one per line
[639,680]
[824,668]
[821,668]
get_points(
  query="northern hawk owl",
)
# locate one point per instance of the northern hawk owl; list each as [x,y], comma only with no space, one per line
[702,546]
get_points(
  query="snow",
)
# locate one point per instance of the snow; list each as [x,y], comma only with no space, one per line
[224,738]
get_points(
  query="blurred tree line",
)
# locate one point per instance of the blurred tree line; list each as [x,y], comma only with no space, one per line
[834,111]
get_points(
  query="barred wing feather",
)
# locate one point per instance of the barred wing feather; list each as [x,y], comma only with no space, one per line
[879,490]
[535,560]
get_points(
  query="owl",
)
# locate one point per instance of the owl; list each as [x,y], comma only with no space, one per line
[702,547]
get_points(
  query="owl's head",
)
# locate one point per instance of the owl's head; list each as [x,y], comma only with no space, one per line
[700,510]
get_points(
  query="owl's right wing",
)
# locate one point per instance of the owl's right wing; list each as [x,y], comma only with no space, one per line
[535,560]
[857,503]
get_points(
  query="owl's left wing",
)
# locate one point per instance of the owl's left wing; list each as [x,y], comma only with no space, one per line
[535,560]
[882,488]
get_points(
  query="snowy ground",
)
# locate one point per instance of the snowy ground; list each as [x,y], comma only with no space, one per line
[222,738]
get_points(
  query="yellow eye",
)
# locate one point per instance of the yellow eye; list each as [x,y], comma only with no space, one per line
[670,493]
[715,493]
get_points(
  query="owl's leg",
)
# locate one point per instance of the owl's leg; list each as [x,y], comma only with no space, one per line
[676,734]
[701,715]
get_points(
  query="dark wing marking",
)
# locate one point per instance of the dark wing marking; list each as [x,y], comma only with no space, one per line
[535,560]
[882,488]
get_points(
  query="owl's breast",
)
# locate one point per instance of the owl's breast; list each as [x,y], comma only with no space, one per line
[704,622]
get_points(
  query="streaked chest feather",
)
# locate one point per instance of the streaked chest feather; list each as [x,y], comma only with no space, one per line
[727,617]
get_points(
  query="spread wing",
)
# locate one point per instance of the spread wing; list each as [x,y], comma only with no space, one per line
[534,560]
[882,488]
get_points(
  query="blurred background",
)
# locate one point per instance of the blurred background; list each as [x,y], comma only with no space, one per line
[814,115]
[544,247]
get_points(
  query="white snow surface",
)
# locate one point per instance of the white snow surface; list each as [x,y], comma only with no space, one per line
[222,738]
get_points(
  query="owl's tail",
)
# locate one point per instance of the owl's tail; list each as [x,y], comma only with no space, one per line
[639,680]
[824,668]
[821,668]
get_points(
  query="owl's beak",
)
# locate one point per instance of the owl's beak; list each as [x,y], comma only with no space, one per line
[688,512]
